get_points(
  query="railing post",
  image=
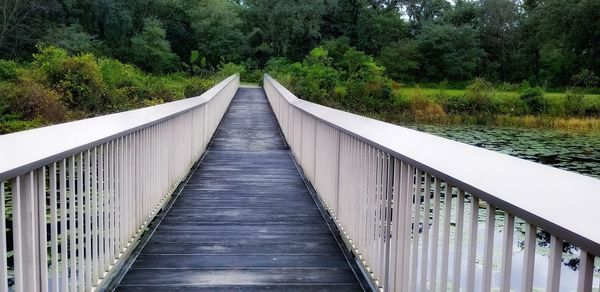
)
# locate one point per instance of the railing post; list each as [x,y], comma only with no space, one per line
[25,235]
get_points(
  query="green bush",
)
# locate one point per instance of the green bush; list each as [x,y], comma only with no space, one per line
[228,69]
[478,96]
[591,105]
[11,126]
[534,100]
[80,83]
[8,69]
[151,50]
[573,103]
[28,99]
[196,86]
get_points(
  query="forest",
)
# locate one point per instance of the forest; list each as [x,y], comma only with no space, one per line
[506,62]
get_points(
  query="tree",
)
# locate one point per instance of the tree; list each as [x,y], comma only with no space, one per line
[377,29]
[449,52]
[401,60]
[217,31]
[500,22]
[420,12]
[151,51]
[22,24]
[570,33]
[291,28]
[74,39]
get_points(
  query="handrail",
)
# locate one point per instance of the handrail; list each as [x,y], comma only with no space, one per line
[342,152]
[105,128]
[88,189]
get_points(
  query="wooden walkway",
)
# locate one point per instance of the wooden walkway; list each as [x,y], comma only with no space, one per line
[244,221]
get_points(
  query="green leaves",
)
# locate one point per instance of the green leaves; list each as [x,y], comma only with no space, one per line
[150,49]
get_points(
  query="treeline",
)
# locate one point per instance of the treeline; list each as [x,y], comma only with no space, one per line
[548,43]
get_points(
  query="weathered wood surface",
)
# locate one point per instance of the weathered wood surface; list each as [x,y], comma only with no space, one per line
[245,220]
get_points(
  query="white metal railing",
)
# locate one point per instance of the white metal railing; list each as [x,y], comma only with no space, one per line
[82,192]
[408,205]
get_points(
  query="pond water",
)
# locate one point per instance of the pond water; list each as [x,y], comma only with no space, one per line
[577,152]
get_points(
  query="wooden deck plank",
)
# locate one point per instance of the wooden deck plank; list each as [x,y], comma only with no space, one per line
[245,220]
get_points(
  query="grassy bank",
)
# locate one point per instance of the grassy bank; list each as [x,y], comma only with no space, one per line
[571,110]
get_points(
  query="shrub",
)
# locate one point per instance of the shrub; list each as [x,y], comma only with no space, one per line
[478,96]
[196,86]
[423,107]
[11,126]
[228,69]
[8,70]
[534,100]
[80,84]
[573,103]
[31,100]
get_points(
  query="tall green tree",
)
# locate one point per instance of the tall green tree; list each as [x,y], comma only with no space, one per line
[22,24]
[217,31]
[290,28]
[150,49]
[449,52]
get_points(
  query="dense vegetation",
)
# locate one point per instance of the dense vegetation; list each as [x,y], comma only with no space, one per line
[56,87]
[505,56]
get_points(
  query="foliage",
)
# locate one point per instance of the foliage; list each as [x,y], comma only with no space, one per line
[449,51]
[57,86]
[534,100]
[586,78]
[150,49]
[74,39]
[479,96]
[349,78]
[401,60]
[573,103]
[217,31]
[226,70]
[8,69]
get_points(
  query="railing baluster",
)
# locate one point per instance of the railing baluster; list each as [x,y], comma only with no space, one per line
[458,239]
[42,242]
[425,244]
[54,255]
[554,264]
[415,194]
[64,233]
[82,272]
[3,243]
[94,217]
[586,272]
[507,249]
[528,258]
[446,237]
[472,252]
[101,204]
[396,245]
[488,248]
[25,233]
[73,225]
[435,234]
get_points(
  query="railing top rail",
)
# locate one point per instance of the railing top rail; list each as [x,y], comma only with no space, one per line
[27,150]
[561,202]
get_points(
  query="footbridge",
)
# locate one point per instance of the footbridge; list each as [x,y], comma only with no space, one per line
[254,189]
